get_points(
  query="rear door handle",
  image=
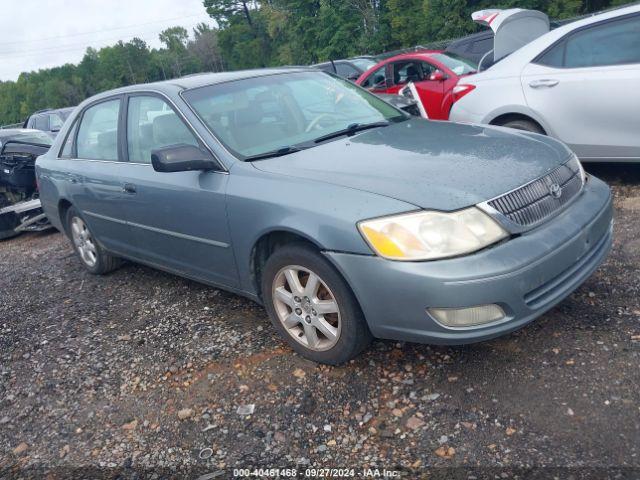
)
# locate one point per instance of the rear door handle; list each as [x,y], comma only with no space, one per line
[544,83]
[129,188]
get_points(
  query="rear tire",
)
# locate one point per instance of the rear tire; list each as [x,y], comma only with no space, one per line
[319,301]
[92,256]
[523,124]
[8,223]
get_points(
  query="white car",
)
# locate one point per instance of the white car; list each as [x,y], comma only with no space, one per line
[579,83]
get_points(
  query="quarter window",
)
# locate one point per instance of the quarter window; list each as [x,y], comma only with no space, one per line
[67,147]
[152,124]
[98,132]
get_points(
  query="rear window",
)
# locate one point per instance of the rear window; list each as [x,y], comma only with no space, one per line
[609,43]
[612,43]
[41,122]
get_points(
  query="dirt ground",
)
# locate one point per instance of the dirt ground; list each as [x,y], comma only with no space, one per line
[141,374]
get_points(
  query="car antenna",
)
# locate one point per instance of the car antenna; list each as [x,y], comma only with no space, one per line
[333,65]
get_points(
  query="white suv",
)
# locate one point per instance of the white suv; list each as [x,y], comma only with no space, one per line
[579,83]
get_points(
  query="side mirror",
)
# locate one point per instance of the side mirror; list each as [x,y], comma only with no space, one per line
[438,76]
[182,158]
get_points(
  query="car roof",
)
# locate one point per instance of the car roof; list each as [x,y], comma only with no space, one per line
[417,53]
[197,80]
[204,79]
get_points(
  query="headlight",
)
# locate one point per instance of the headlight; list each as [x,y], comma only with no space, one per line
[429,235]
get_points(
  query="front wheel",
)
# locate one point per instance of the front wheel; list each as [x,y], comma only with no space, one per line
[312,307]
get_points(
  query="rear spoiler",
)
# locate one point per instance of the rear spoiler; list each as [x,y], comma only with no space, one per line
[513,28]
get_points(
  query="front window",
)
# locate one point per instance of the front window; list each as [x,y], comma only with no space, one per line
[259,115]
[152,124]
[377,79]
[455,63]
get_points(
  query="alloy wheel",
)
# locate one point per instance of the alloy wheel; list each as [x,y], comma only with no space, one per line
[307,308]
[83,241]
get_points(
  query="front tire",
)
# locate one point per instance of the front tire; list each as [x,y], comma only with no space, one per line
[92,256]
[312,306]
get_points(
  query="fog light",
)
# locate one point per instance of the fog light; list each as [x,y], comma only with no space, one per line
[467,317]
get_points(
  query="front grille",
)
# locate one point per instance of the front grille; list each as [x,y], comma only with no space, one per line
[535,202]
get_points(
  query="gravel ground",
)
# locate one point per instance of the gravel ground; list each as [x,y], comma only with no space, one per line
[142,371]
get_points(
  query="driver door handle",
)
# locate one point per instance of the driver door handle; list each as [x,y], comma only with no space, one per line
[543,83]
[129,188]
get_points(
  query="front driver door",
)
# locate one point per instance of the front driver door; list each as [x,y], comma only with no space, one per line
[178,219]
[586,88]
[419,72]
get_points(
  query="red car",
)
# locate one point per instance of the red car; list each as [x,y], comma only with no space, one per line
[434,73]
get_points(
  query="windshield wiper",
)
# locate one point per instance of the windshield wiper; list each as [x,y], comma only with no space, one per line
[350,130]
[273,153]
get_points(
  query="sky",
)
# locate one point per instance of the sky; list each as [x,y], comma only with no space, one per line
[39,34]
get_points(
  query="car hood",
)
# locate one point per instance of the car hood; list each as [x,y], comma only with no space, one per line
[432,165]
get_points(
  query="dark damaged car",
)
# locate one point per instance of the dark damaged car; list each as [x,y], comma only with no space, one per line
[19,204]
[344,216]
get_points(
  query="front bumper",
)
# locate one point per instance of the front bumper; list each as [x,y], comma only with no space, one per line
[526,276]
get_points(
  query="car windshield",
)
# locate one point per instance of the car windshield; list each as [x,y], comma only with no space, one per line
[455,63]
[258,115]
[40,138]
[363,64]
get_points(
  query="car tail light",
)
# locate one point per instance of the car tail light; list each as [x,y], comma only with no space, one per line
[461,90]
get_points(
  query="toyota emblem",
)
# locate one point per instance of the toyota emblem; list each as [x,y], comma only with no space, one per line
[555,190]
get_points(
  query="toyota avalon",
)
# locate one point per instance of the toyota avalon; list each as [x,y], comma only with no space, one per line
[346,218]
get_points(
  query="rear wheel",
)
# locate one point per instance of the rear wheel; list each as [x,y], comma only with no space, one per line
[312,306]
[523,124]
[8,223]
[93,257]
